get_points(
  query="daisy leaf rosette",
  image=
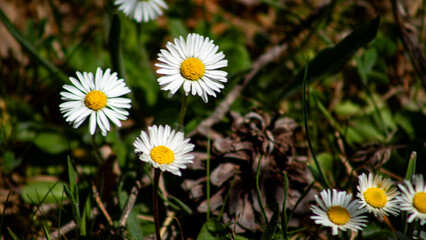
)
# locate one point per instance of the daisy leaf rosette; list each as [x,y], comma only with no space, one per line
[96,97]
[413,199]
[164,148]
[192,63]
[378,195]
[141,10]
[337,210]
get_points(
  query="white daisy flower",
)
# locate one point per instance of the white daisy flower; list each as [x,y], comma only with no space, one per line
[164,148]
[141,10]
[192,63]
[336,210]
[413,200]
[98,98]
[378,195]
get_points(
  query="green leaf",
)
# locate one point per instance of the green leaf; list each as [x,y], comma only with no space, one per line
[366,62]
[347,109]
[9,161]
[212,230]
[331,60]
[411,169]
[53,143]
[401,236]
[33,192]
[85,216]
[134,227]
[404,120]
[177,28]
[30,48]
[272,225]
[366,129]
[373,232]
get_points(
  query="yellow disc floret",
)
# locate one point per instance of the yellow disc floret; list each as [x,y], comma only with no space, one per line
[338,215]
[419,202]
[375,197]
[162,155]
[192,69]
[95,100]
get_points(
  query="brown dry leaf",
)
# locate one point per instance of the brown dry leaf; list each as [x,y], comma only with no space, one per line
[222,173]
[215,202]
[256,136]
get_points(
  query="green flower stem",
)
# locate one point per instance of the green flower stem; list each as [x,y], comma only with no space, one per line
[182,112]
[157,174]
[259,198]
[208,179]
[97,151]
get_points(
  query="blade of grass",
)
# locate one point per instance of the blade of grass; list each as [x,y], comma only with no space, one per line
[60,213]
[411,169]
[259,197]
[227,196]
[305,119]
[208,179]
[272,225]
[331,60]
[333,122]
[46,232]
[300,200]
[74,206]
[4,211]
[71,178]
[37,208]
[182,205]
[85,215]
[12,234]
[30,48]
[284,220]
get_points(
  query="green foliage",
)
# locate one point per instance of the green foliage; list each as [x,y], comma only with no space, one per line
[272,225]
[411,169]
[357,106]
[51,142]
[39,192]
[331,60]
[28,47]
[213,230]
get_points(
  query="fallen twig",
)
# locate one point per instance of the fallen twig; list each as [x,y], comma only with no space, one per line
[100,204]
[204,127]
[64,230]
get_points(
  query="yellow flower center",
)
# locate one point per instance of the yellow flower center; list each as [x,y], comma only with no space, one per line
[162,155]
[419,202]
[95,100]
[192,69]
[338,215]
[375,197]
